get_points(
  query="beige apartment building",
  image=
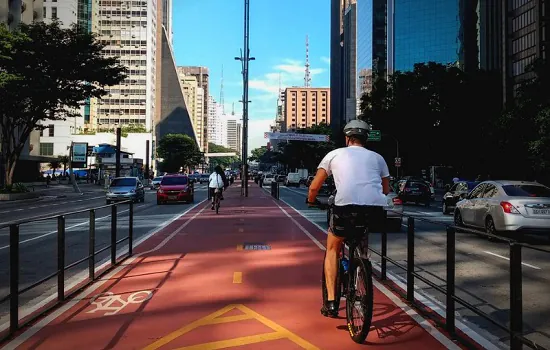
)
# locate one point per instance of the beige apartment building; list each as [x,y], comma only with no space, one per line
[193,94]
[305,107]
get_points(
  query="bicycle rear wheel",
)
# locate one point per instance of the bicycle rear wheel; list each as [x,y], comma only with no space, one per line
[360,280]
[338,284]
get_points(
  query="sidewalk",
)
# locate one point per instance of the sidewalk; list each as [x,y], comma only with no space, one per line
[248,277]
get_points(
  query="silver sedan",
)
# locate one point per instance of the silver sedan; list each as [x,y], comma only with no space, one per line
[499,206]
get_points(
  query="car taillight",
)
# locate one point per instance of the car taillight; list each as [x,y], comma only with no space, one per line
[397,201]
[509,208]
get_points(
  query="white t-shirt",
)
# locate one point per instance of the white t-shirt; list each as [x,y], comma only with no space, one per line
[215,180]
[358,174]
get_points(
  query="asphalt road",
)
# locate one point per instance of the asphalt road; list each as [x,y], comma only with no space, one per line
[482,269]
[38,240]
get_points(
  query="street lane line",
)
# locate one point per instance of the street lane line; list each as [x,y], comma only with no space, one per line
[430,329]
[35,328]
[505,258]
[73,226]
[237,277]
[52,204]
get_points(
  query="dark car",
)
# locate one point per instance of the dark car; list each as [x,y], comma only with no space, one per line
[175,188]
[456,193]
[203,178]
[414,191]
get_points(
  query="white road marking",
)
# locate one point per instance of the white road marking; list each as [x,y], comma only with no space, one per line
[505,258]
[52,204]
[72,226]
[35,328]
[430,329]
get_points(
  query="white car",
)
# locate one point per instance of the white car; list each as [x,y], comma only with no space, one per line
[292,179]
[268,179]
[156,182]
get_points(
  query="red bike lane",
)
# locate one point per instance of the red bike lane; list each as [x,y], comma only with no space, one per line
[248,277]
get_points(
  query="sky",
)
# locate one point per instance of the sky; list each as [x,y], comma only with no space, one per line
[210,33]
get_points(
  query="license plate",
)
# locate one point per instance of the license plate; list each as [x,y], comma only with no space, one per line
[541,211]
[416,192]
[172,197]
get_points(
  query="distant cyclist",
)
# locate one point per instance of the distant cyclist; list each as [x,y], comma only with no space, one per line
[216,181]
[361,177]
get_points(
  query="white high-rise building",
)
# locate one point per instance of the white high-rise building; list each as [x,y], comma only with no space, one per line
[217,123]
[129,29]
[233,133]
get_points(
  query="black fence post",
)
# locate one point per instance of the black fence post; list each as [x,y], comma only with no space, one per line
[384,247]
[91,246]
[14,278]
[278,189]
[516,305]
[410,259]
[208,193]
[113,234]
[60,258]
[451,268]
[131,229]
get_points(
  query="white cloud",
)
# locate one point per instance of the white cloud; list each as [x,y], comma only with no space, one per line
[325,59]
[256,130]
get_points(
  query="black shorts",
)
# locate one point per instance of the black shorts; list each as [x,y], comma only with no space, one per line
[211,190]
[352,220]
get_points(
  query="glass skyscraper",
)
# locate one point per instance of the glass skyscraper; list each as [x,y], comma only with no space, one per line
[426,30]
[371,43]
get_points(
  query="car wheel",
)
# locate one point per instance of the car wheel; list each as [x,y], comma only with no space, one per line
[490,227]
[458,220]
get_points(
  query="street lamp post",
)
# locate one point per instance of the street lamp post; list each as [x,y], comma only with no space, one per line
[245,59]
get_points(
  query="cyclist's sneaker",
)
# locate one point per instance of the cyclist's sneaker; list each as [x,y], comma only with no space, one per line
[329,309]
[212,207]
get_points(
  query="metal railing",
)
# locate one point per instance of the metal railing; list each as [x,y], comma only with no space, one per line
[515,327]
[62,295]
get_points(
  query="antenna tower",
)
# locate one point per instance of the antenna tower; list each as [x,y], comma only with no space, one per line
[222,103]
[233,109]
[307,78]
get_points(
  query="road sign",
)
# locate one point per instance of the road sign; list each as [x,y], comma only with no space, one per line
[296,137]
[79,155]
[397,162]
[375,135]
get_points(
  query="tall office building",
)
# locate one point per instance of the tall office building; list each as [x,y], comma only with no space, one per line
[201,73]
[442,31]
[217,123]
[350,63]
[194,100]
[526,32]
[167,19]
[337,112]
[129,31]
[232,133]
[305,107]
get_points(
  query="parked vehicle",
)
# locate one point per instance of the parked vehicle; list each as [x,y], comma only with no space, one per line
[125,188]
[499,206]
[175,188]
[455,194]
[394,211]
[204,178]
[268,179]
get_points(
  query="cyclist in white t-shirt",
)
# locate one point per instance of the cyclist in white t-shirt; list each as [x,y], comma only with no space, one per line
[362,181]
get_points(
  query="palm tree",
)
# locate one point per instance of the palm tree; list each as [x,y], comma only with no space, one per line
[65,161]
[54,165]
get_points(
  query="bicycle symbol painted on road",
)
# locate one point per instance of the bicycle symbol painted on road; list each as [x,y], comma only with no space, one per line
[113,303]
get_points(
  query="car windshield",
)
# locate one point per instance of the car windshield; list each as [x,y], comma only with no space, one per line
[526,191]
[417,185]
[123,182]
[174,180]
[157,179]
[269,176]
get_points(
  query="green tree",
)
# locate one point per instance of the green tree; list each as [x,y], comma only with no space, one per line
[224,162]
[178,151]
[9,40]
[57,70]
[257,153]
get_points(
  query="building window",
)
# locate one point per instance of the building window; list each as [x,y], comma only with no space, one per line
[44,13]
[54,12]
[46,149]
[51,130]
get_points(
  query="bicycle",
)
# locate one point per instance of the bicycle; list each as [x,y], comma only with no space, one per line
[217,195]
[348,282]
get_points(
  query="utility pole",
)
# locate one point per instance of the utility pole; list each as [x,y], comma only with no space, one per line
[118,135]
[146,172]
[245,59]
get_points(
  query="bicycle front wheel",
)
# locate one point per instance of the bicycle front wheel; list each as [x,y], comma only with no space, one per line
[359,301]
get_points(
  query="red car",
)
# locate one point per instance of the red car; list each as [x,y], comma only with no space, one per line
[175,188]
